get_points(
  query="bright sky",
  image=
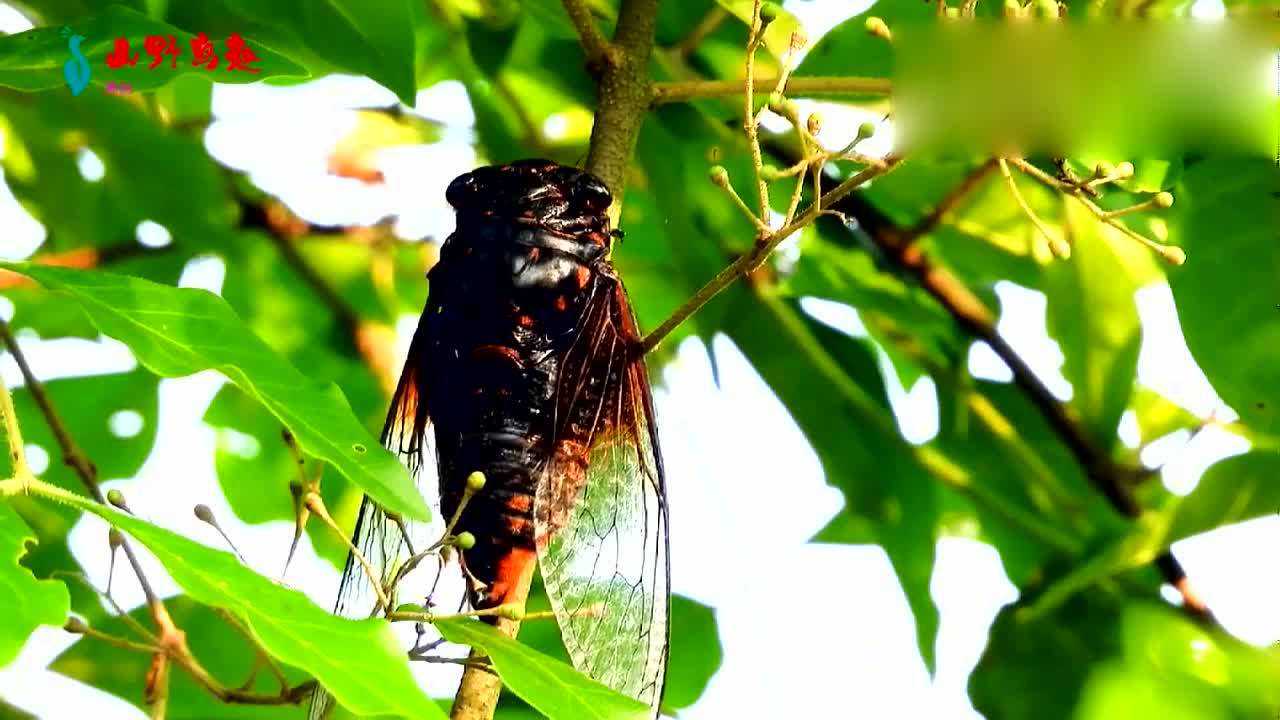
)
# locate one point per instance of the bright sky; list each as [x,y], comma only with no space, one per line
[740,519]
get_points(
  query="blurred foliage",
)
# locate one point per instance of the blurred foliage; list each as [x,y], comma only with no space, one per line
[1087,637]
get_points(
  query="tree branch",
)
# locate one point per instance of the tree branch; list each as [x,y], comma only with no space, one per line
[594,45]
[624,91]
[78,461]
[749,261]
[899,246]
[683,91]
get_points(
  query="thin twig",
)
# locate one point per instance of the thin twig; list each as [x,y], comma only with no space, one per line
[707,25]
[749,261]
[84,468]
[1059,246]
[259,216]
[750,122]
[594,45]
[971,314]
[952,199]
[686,90]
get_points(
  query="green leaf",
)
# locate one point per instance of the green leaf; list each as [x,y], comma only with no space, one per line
[1225,218]
[290,627]
[1233,490]
[848,49]
[119,399]
[34,59]
[1158,416]
[374,38]
[1100,657]
[249,446]
[150,173]
[1092,315]
[176,332]
[553,688]
[830,383]
[29,603]
[221,649]
[696,653]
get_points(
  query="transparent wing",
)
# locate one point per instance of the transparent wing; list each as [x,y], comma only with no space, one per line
[602,530]
[383,542]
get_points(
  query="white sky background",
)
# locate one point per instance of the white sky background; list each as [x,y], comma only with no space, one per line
[740,520]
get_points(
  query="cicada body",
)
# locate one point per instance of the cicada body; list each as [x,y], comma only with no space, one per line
[525,367]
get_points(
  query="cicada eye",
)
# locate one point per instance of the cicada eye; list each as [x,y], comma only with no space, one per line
[594,193]
[458,190]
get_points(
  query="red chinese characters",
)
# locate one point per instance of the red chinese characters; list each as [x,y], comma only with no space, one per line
[119,56]
[239,55]
[157,46]
[202,52]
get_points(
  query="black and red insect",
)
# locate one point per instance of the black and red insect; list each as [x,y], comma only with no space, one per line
[526,366]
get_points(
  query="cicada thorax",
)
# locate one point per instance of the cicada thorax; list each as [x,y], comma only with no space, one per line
[507,301]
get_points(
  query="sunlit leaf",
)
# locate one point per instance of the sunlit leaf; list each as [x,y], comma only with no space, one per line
[288,625]
[554,688]
[29,603]
[34,59]
[176,332]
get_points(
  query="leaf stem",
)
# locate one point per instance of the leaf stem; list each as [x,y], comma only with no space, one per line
[686,90]
[765,245]
[899,246]
[74,457]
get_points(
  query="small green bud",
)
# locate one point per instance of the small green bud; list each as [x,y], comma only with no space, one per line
[115,497]
[1045,8]
[814,123]
[866,130]
[720,176]
[115,538]
[1059,248]
[1175,255]
[1164,200]
[75,626]
[204,514]
[876,26]
[770,12]
[464,541]
[475,481]
[1125,170]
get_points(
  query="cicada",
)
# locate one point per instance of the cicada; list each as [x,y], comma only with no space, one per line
[526,366]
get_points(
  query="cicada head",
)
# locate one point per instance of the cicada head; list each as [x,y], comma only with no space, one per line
[549,220]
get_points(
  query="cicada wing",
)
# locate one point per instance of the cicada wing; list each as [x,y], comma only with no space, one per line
[602,534]
[407,432]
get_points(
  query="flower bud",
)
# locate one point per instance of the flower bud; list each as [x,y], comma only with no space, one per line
[1164,200]
[464,541]
[475,481]
[814,123]
[876,26]
[720,176]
